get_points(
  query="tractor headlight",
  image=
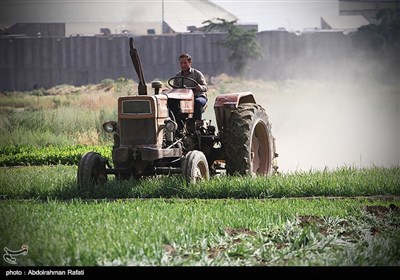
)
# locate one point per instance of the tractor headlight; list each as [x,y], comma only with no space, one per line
[171,126]
[110,126]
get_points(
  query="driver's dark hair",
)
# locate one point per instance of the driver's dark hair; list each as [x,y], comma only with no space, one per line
[186,55]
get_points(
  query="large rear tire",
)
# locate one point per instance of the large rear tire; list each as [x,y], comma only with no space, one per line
[248,142]
[195,167]
[91,170]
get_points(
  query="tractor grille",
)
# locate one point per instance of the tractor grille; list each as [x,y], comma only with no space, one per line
[136,107]
[137,132]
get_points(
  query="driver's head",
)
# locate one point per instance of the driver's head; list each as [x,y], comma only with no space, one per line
[185,60]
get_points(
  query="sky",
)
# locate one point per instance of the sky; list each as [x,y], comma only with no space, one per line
[293,15]
[290,14]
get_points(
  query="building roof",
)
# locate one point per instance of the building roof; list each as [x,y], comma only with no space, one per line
[177,14]
[343,22]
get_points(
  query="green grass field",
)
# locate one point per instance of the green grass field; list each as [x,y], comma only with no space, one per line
[164,221]
[286,231]
[59,182]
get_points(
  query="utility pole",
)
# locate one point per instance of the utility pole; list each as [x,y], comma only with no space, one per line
[162,16]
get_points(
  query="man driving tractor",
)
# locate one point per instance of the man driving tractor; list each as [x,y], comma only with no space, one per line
[200,89]
[155,135]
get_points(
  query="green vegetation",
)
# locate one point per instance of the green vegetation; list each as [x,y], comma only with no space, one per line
[65,115]
[59,182]
[60,126]
[203,232]
[30,155]
[242,43]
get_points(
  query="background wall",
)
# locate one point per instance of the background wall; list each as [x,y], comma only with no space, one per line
[28,62]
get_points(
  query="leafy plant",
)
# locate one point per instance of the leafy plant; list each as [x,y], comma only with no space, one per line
[242,43]
[30,155]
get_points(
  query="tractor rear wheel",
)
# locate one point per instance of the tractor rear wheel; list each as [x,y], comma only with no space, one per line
[248,142]
[195,167]
[91,170]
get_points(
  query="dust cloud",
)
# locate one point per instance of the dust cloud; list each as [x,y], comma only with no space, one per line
[330,123]
[348,120]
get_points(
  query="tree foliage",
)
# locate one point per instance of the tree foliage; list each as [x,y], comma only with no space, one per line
[381,41]
[242,43]
[383,36]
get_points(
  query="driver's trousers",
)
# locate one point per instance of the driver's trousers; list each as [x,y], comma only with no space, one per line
[199,103]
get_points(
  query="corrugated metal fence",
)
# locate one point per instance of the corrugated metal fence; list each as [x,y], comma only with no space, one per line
[28,63]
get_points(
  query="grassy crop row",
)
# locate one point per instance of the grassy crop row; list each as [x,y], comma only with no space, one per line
[30,155]
[163,232]
[65,125]
[59,182]
[62,115]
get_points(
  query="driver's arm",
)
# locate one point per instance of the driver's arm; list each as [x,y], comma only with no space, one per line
[202,87]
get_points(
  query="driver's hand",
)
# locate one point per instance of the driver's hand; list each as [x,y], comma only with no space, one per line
[198,88]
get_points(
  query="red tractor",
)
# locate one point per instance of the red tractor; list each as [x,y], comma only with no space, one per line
[156,134]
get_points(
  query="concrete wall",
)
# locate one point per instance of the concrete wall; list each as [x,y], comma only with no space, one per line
[28,63]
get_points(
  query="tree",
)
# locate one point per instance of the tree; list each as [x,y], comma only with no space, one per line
[381,41]
[384,35]
[242,43]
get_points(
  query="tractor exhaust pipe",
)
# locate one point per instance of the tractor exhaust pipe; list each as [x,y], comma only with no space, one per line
[142,88]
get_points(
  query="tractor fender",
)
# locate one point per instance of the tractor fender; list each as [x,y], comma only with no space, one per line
[225,103]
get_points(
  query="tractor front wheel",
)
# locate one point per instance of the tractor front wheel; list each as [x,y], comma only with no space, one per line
[195,167]
[91,170]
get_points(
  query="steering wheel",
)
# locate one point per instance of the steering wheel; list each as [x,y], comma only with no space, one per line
[170,82]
